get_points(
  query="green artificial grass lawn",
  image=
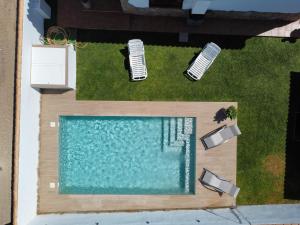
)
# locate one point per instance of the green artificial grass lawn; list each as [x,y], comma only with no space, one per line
[256,76]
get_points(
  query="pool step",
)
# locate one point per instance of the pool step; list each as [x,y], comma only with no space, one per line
[187,165]
[176,133]
[188,125]
[180,136]
[176,138]
[180,130]
[188,131]
[166,137]
[179,133]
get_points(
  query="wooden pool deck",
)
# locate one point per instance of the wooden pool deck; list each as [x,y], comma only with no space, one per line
[221,160]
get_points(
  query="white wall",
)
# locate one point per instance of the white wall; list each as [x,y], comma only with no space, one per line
[29,120]
[282,6]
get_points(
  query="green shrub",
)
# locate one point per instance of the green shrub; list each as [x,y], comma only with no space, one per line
[231,112]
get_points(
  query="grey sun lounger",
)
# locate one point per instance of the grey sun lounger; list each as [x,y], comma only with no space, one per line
[203,61]
[216,183]
[220,136]
[137,60]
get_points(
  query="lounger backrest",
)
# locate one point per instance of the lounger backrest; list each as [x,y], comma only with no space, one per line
[230,132]
[211,179]
[211,51]
[213,140]
[135,47]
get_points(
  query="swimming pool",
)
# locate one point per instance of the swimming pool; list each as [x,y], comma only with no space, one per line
[126,155]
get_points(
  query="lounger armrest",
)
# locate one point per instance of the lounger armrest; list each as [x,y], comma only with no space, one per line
[236,192]
[214,131]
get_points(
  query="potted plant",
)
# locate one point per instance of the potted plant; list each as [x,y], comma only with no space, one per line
[231,112]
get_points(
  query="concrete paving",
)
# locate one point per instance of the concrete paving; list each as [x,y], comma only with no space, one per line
[243,215]
[8,17]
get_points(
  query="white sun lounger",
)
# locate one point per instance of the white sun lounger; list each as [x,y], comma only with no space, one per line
[203,61]
[220,136]
[137,60]
[216,183]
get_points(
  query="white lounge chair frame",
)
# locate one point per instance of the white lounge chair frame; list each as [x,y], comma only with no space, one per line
[137,60]
[218,184]
[203,61]
[220,136]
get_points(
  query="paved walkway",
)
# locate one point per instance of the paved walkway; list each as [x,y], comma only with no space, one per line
[108,15]
[7,75]
[243,215]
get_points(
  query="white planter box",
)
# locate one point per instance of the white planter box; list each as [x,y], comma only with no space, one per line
[53,67]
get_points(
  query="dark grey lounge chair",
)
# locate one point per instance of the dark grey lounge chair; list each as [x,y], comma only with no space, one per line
[216,183]
[220,136]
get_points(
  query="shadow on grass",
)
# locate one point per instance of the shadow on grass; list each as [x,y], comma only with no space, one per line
[126,63]
[188,77]
[164,39]
[292,169]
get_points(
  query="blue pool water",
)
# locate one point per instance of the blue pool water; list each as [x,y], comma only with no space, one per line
[126,155]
